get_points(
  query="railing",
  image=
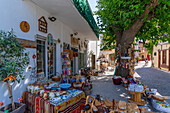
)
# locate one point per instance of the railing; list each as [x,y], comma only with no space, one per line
[84,9]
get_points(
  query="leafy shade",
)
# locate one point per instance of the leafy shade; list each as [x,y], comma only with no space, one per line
[121,21]
[12,58]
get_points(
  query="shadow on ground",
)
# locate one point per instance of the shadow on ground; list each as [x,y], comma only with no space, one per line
[104,86]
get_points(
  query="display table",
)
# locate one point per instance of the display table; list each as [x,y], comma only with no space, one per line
[136,98]
[36,104]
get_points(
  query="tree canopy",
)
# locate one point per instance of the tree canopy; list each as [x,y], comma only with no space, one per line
[121,21]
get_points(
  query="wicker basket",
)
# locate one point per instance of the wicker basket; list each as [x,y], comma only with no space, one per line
[77,85]
[56,79]
[95,73]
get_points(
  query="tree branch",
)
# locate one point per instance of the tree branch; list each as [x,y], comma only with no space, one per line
[150,16]
[117,33]
[129,34]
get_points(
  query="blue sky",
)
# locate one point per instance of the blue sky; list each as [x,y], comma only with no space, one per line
[93,4]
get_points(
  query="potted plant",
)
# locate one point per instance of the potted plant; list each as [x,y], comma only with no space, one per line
[12,64]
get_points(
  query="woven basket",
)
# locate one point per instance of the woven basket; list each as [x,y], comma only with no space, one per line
[56,79]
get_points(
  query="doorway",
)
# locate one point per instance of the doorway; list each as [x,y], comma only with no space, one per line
[93,62]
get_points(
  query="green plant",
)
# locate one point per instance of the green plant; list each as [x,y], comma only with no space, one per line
[12,60]
[121,21]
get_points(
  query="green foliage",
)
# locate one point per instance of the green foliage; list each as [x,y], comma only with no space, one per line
[120,15]
[149,46]
[108,43]
[12,57]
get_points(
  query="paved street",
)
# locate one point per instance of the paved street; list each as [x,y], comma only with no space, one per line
[154,78]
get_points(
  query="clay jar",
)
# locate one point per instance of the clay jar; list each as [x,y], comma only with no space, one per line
[51,95]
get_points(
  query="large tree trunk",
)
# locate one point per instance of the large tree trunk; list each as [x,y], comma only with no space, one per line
[126,38]
[10,95]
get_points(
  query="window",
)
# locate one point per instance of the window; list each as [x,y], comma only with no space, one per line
[142,56]
[164,57]
[154,53]
[40,56]
[81,60]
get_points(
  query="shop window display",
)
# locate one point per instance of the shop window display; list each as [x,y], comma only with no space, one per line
[50,55]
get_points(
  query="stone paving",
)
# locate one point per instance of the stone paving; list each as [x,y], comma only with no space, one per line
[153,78]
[103,85]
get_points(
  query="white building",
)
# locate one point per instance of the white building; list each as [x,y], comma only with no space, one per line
[71,20]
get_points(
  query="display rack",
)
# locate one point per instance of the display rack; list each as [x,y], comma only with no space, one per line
[66,64]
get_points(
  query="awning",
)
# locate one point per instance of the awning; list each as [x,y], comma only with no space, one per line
[66,12]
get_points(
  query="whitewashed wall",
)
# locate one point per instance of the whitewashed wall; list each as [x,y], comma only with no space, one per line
[13,12]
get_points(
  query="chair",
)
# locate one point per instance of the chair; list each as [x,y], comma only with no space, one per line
[89,105]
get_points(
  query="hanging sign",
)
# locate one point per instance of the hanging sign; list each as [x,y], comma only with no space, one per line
[42,24]
[74,41]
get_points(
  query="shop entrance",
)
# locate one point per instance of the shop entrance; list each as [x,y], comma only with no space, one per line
[93,62]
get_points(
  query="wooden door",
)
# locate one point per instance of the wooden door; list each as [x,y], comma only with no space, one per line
[93,62]
[169,60]
[159,59]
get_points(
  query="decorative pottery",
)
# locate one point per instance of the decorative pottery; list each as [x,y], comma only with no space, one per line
[65,86]
[42,92]
[36,89]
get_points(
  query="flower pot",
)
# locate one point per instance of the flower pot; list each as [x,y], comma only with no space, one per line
[20,108]
[56,79]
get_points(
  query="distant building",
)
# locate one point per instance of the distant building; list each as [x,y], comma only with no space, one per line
[109,54]
[142,53]
[161,56]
